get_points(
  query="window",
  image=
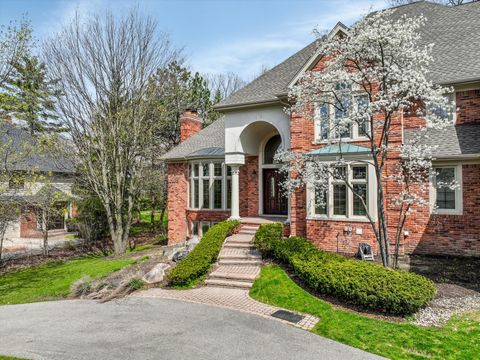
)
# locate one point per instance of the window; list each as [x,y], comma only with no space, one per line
[448,112]
[208,184]
[346,194]
[199,228]
[447,190]
[271,148]
[328,119]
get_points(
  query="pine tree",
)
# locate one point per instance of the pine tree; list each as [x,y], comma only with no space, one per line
[31,95]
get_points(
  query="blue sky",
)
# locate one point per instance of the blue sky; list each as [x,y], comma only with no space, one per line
[218,35]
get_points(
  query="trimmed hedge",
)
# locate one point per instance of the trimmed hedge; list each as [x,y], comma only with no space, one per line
[365,284]
[198,261]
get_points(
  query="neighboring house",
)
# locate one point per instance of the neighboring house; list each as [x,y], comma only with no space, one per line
[34,175]
[227,171]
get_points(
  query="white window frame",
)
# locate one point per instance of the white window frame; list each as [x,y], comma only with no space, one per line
[371,196]
[211,178]
[458,169]
[354,135]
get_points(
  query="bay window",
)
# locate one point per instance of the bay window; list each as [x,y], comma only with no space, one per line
[347,194]
[208,183]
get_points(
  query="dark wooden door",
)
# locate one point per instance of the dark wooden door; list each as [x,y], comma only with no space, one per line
[274,201]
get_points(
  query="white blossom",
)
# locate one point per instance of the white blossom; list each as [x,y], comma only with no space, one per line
[380,57]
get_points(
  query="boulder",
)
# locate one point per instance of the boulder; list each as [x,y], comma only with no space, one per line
[156,274]
[180,255]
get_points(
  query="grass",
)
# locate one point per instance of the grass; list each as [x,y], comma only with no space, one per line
[9,358]
[51,281]
[145,225]
[458,339]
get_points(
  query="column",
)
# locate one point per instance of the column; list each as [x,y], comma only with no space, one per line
[235,215]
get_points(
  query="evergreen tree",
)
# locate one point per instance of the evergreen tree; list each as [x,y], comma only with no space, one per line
[31,95]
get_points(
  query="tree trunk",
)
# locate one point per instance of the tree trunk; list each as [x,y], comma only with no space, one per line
[45,233]
[162,215]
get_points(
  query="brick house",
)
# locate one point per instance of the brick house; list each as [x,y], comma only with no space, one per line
[226,170]
[37,173]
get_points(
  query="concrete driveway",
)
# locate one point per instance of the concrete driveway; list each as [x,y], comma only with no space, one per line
[144,329]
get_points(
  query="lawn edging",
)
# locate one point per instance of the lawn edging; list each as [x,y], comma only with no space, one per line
[368,285]
[197,263]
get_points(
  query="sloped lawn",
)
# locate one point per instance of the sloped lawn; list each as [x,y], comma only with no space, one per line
[51,281]
[458,339]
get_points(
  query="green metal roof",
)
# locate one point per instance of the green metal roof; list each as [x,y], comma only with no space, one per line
[340,149]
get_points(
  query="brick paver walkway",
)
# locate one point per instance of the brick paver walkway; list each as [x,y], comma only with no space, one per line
[236,299]
[227,286]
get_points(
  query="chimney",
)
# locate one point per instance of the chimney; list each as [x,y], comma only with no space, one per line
[190,124]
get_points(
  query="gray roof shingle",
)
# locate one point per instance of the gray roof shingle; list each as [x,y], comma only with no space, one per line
[452,141]
[453,29]
[24,152]
[209,142]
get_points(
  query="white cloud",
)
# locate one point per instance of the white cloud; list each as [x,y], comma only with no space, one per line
[246,56]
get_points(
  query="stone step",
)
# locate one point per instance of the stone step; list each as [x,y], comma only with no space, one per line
[232,276]
[232,253]
[250,227]
[240,237]
[239,245]
[247,231]
[241,262]
[228,283]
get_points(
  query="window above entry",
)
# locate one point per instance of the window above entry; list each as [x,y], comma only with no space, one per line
[335,121]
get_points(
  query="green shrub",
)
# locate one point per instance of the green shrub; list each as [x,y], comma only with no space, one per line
[365,284]
[266,237]
[198,261]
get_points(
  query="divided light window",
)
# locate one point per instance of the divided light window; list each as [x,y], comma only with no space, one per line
[341,200]
[208,183]
[328,119]
[447,192]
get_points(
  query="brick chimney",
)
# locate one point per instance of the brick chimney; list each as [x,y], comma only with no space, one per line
[190,124]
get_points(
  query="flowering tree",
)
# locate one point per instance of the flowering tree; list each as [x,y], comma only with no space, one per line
[374,74]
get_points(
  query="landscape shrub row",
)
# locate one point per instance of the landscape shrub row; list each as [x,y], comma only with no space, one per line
[198,261]
[360,283]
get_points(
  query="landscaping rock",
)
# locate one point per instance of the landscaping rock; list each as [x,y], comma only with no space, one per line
[180,255]
[156,274]
[192,243]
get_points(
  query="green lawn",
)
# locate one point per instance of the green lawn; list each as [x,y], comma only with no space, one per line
[52,281]
[9,358]
[458,339]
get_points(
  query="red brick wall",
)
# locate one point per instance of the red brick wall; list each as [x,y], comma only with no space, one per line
[207,215]
[449,234]
[190,124]
[468,107]
[28,225]
[177,202]
[428,234]
[249,187]
[178,214]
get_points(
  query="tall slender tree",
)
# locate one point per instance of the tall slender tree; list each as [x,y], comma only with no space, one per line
[104,65]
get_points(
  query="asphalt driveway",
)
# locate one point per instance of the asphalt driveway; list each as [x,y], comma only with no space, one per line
[144,329]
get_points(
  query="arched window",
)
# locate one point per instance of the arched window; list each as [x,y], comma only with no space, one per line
[271,148]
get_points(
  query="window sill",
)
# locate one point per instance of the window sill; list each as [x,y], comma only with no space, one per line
[342,219]
[447,212]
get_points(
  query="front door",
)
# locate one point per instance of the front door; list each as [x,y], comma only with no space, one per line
[274,200]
